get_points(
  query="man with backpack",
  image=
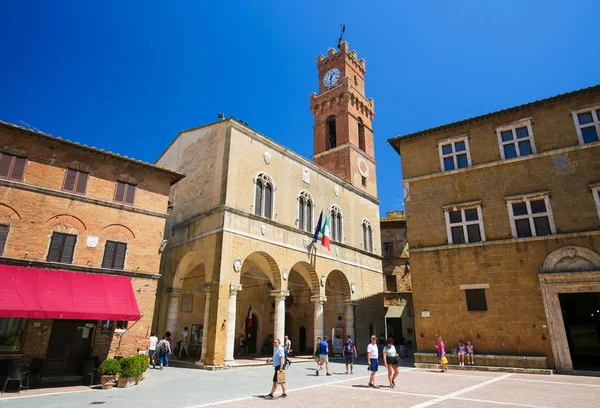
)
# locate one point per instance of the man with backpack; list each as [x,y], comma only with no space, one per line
[349,352]
[164,348]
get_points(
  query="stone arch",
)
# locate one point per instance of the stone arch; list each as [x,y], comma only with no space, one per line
[117,232]
[308,272]
[127,178]
[572,258]
[267,264]
[66,223]
[338,283]
[77,165]
[191,261]
[8,214]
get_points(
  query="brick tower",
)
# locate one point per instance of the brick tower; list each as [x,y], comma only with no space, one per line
[343,132]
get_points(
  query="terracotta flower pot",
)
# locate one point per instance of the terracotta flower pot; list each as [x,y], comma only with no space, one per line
[107,381]
[125,382]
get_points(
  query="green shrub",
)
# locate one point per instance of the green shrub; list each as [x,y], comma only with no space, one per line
[130,367]
[109,367]
[143,363]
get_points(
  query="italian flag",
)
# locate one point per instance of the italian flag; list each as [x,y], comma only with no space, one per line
[326,234]
[249,317]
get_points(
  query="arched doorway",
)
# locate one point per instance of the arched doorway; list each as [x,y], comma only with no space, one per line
[337,291]
[302,339]
[289,328]
[302,284]
[570,284]
[251,331]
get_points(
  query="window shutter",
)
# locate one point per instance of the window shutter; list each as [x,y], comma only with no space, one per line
[129,193]
[70,180]
[121,249]
[68,248]
[309,216]
[18,169]
[369,239]
[301,213]
[3,235]
[257,197]
[55,247]
[268,200]
[120,191]
[5,160]
[81,182]
[109,254]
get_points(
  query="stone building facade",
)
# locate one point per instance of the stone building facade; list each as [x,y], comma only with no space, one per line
[503,224]
[397,280]
[72,215]
[241,230]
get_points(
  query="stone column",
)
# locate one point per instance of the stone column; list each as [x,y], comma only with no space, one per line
[350,319]
[205,325]
[231,314]
[318,315]
[173,311]
[279,330]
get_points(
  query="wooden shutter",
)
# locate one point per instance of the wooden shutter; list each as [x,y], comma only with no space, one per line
[55,247]
[109,254]
[70,180]
[129,193]
[268,200]
[257,197]
[309,215]
[301,213]
[18,168]
[81,182]
[68,248]
[120,191]
[121,249]
[5,160]
[4,228]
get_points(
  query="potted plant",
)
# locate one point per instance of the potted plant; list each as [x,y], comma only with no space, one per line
[143,360]
[108,371]
[131,370]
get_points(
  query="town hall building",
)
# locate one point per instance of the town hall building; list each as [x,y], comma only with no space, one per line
[240,259]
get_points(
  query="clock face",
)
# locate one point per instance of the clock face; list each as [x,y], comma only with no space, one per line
[331,77]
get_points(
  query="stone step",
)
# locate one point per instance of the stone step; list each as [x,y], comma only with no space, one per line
[516,370]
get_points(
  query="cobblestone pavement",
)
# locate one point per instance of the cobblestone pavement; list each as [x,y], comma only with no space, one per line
[246,387]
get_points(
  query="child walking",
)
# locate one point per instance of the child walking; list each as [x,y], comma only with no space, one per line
[441,351]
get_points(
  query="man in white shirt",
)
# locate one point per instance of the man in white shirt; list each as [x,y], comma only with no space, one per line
[152,348]
[185,343]
[372,358]
[287,347]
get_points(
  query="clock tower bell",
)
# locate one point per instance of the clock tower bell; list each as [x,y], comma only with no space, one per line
[343,132]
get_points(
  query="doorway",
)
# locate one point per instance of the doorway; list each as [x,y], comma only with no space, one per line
[394,330]
[251,331]
[302,339]
[581,314]
[70,344]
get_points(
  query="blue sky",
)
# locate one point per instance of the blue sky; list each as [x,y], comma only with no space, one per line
[128,76]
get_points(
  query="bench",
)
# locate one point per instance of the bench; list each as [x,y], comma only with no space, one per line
[488,360]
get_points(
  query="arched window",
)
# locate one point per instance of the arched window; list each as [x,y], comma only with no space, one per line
[263,196]
[367,236]
[336,223]
[305,211]
[361,135]
[331,140]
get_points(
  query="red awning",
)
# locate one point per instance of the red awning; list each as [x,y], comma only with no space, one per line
[50,294]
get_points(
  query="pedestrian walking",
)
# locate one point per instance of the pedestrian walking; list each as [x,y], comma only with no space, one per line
[372,358]
[170,341]
[324,355]
[470,353]
[152,348]
[185,343]
[287,347]
[278,365]
[349,353]
[317,355]
[390,359]
[164,348]
[441,351]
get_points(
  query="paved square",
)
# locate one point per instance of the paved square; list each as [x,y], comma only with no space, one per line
[246,387]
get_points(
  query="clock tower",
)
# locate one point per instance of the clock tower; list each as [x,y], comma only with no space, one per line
[343,132]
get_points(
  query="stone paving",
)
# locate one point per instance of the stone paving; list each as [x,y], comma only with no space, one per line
[246,387]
